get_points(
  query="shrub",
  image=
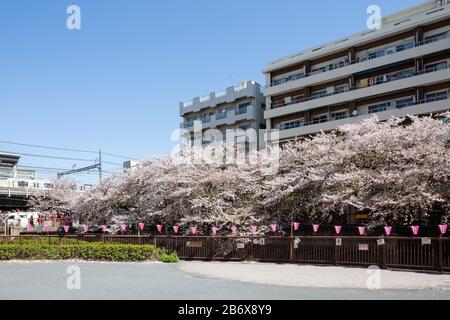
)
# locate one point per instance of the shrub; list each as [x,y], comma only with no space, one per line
[85,251]
[169,258]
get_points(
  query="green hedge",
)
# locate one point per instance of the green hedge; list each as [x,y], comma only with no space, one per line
[90,251]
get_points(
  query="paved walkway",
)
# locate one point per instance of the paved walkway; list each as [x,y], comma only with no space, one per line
[47,280]
[319,276]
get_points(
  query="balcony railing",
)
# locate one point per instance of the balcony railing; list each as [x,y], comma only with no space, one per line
[231,113]
[397,106]
[360,86]
[367,57]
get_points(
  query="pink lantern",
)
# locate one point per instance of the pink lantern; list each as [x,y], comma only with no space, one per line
[66,229]
[123,227]
[338,229]
[176,229]
[296,226]
[85,228]
[159,227]
[194,230]
[273,227]
[415,230]
[141,226]
[103,228]
[443,228]
[316,227]
[361,230]
[214,230]
[388,230]
[233,230]
[253,229]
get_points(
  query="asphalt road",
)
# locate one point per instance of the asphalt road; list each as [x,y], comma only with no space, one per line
[42,280]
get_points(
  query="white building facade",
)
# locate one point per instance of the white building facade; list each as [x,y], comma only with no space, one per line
[238,107]
[398,70]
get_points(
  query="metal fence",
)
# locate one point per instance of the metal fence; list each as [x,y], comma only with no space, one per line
[420,253]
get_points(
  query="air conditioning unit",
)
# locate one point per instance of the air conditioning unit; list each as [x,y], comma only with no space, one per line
[287,100]
[330,90]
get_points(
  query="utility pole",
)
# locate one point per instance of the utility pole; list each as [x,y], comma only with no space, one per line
[100,166]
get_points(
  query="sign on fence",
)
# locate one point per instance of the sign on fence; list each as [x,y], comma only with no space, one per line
[240,245]
[194,244]
[426,241]
[338,242]
[381,242]
[363,247]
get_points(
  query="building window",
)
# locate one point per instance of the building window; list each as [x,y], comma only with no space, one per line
[222,113]
[242,108]
[436,37]
[318,94]
[205,117]
[406,46]
[341,88]
[22,184]
[436,66]
[376,54]
[403,103]
[380,107]
[320,118]
[436,96]
[291,124]
[319,70]
[338,115]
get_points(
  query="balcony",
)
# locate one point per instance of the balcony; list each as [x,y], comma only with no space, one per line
[431,105]
[224,118]
[389,84]
[363,63]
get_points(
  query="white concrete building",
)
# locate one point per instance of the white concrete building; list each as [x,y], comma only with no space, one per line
[237,107]
[401,69]
[16,180]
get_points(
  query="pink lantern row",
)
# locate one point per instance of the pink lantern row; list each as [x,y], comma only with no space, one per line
[362,230]
[253,229]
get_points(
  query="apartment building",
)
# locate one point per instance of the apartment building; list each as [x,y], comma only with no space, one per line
[237,107]
[398,70]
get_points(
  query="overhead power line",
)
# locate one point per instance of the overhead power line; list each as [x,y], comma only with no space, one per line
[48,157]
[38,167]
[119,156]
[66,149]
[46,147]
[112,163]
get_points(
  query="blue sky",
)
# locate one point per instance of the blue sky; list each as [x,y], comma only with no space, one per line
[115,84]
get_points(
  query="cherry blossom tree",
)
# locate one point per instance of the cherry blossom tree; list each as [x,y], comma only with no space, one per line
[60,199]
[396,170]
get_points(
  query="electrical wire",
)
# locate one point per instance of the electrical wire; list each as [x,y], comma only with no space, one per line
[48,157]
[46,147]
[66,149]
[118,156]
